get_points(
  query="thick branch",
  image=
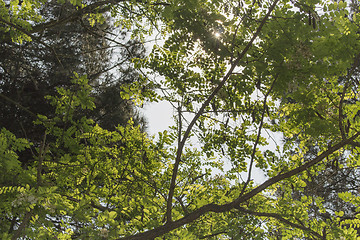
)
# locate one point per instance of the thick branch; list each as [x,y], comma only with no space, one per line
[295,171]
[169,226]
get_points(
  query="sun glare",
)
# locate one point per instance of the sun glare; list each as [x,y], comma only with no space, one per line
[217,34]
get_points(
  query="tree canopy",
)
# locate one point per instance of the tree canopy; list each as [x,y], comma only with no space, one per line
[256,86]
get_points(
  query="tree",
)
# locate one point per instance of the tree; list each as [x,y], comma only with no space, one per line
[36,69]
[234,71]
[33,71]
[337,176]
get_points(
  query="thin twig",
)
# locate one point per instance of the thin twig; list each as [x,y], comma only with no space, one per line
[41,157]
[281,219]
[258,136]
[341,115]
[18,105]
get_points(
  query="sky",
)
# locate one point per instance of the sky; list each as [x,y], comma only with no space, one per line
[159,117]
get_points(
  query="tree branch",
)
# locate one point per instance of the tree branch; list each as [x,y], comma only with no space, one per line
[212,235]
[281,219]
[80,13]
[202,108]
[21,228]
[32,36]
[258,136]
[42,151]
[341,115]
[18,105]
[169,226]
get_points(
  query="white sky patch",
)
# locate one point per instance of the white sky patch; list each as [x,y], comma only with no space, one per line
[159,116]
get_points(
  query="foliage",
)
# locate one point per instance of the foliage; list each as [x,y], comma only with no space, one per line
[238,74]
[33,70]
